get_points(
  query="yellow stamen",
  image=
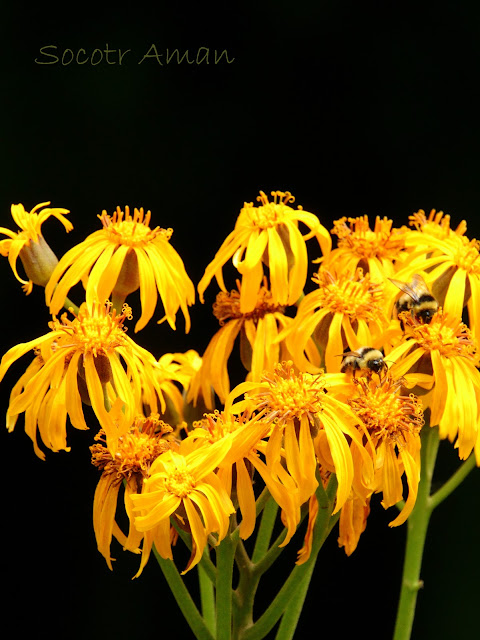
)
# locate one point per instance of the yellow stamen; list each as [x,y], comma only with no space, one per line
[437,223]
[227,306]
[386,413]
[95,330]
[123,228]
[136,450]
[467,255]
[180,482]
[269,214]
[355,296]
[357,237]
[290,395]
[449,339]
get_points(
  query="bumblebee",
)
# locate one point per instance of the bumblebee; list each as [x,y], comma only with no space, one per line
[416,298]
[366,360]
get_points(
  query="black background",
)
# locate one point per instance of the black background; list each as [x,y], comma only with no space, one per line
[357,108]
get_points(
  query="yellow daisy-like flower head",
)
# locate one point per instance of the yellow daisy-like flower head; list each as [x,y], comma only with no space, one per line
[394,423]
[346,311]
[437,224]
[259,348]
[183,484]
[268,234]
[81,359]
[453,265]
[236,471]
[124,256]
[302,408]
[29,245]
[375,250]
[446,349]
[130,464]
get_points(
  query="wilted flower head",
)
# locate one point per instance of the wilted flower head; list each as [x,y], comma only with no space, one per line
[29,245]
[136,451]
[259,348]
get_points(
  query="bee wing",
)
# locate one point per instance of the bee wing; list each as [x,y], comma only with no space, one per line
[355,354]
[406,288]
[419,284]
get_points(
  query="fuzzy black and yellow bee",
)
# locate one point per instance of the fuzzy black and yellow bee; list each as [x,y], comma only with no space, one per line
[364,361]
[416,298]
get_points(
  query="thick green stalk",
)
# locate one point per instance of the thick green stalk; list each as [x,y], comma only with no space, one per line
[300,574]
[205,562]
[459,476]
[207,597]
[265,530]
[417,525]
[183,598]
[290,618]
[225,559]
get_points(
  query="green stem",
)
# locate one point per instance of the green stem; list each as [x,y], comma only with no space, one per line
[261,501]
[265,530]
[459,476]
[69,304]
[225,559]
[205,562]
[299,574]
[290,618]
[417,525]
[207,596]
[245,592]
[183,598]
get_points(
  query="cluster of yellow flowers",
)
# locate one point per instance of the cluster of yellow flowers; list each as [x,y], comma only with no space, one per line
[338,380]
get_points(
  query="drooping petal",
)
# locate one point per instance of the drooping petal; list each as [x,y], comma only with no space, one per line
[413,477]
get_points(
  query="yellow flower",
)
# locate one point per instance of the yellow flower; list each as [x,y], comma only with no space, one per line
[303,407]
[130,464]
[29,245]
[446,348]
[259,349]
[359,246]
[124,256]
[393,422]
[268,234]
[184,485]
[437,224]
[81,359]
[453,266]
[236,471]
[345,311]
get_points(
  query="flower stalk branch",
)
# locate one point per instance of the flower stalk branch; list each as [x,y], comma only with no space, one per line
[183,598]
[417,526]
